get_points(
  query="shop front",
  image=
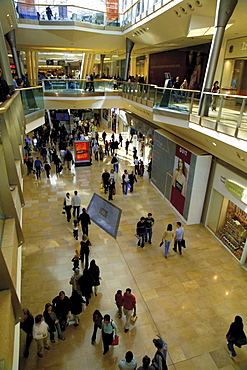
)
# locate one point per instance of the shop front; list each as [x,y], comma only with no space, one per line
[227,214]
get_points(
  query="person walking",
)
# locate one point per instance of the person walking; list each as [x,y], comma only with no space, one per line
[61,306]
[215,90]
[86,283]
[68,158]
[75,278]
[235,334]
[95,273]
[97,320]
[47,168]
[128,363]
[141,232]
[115,162]
[127,143]
[119,299]
[168,236]
[76,203]
[27,326]
[37,166]
[84,218]
[76,306]
[109,329]
[105,179]
[159,360]
[136,163]
[67,206]
[179,236]
[52,322]
[40,334]
[125,182]
[149,228]
[84,249]
[129,307]
[132,179]
[112,189]
[145,364]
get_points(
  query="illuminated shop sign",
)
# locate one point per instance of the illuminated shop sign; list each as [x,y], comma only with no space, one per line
[239,191]
[82,152]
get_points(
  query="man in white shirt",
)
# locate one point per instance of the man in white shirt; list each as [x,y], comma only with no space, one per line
[40,333]
[129,363]
[76,203]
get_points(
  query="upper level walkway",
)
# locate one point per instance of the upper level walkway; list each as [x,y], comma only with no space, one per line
[224,113]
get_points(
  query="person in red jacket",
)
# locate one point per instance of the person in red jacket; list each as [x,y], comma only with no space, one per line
[129,307]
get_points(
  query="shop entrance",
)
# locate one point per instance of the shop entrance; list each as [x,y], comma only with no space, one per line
[229,223]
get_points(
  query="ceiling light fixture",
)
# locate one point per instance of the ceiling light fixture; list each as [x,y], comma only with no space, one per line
[214,143]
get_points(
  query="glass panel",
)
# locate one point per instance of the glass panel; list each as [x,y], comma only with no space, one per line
[32,100]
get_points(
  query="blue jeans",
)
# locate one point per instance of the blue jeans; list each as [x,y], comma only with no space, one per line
[142,237]
[149,233]
[167,245]
[230,346]
[59,332]
[125,187]
[116,167]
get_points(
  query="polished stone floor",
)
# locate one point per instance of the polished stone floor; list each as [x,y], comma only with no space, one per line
[189,300]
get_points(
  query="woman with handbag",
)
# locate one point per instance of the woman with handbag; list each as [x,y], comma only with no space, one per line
[236,335]
[109,329]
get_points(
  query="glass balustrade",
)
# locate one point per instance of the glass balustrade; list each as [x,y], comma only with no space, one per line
[80,86]
[131,13]
[32,99]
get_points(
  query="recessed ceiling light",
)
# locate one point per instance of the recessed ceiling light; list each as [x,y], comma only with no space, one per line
[147,28]
[214,143]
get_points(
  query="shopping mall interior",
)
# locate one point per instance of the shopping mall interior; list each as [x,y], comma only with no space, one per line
[145,71]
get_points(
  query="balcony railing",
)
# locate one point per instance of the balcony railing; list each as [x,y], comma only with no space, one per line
[32,99]
[139,10]
[225,113]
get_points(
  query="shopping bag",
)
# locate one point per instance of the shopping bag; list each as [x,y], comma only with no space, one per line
[114,192]
[115,341]
[101,187]
[73,170]
[133,319]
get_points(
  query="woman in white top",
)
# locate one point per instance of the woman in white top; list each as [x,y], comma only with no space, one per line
[67,206]
[168,236]
[40,333]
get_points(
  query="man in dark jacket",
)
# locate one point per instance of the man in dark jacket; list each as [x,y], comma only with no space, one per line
[68,158]
[84,218]
[141,231]
[27,326]
[61,306]
[105,180]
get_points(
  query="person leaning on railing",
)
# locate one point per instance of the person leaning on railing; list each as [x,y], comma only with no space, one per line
[4,89]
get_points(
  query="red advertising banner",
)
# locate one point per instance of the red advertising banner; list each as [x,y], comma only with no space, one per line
[180,178]
[112,8]
[27,11]
[82,152]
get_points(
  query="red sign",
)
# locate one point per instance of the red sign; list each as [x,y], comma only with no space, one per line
[112,10]
[82,152]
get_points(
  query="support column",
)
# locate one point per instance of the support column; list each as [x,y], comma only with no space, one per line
[10,37]
[224,11]
[129,46]
[102,57]
[82,65]
[91,63]
[32,66]
[146,68]
[133,66]
[4,61]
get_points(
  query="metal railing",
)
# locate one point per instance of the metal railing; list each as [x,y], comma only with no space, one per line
[224,113]
[139,10]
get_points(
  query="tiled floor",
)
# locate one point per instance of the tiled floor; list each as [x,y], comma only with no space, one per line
[190,300]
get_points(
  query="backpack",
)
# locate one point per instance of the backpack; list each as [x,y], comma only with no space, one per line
[164,365]
[114,160]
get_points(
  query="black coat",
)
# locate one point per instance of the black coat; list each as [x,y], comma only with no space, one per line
[76,303]
[61,307]
[49,321]
[95,273]
[86,282]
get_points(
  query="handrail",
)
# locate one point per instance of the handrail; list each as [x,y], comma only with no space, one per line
[68,5]
[29,88]
[228,95]
[7,103]
[173,88]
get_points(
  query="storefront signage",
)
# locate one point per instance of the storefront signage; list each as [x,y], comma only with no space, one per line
[239,191]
